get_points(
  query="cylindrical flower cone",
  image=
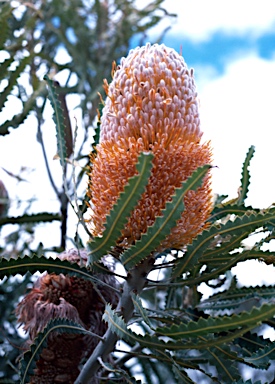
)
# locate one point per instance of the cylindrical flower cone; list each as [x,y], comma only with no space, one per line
[65,297]
[152,106]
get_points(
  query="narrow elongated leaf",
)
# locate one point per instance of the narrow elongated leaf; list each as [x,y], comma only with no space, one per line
[29,359]
[6,10]
[118,326]
[238,297]
[221,251]
[180,373]
[59,120]
[250,343]
[245,180]
[18,119]
[13,77]
[140,310]
[221,211]
[163,224]
[34,264]
[226,262]
[4,67]
[227,370]
[261,358]
[120,374]
[119,215]
[42,217]
[218,324]
[242,225]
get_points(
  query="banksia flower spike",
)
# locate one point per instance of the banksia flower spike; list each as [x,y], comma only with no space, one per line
[152,106]
[65,297]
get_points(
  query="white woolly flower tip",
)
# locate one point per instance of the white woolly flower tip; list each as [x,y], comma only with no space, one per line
[152,93]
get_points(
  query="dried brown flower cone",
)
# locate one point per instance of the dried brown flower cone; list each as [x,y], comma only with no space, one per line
[58,296]
[151,106]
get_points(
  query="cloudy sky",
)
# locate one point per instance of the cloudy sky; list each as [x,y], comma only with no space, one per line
[231,46]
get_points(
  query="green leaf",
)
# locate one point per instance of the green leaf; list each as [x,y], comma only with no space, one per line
[180,374]
[226,262]
[261,359]
[6,11]
[59,120]
[140,309]
[163,224]
[221,211]
[238,298]
[120,213]
[245,180]
[118,326]
[29,359]
[218,324]
[34,264]
[226,369]
[18,119]
[13,77]
[4,67]
[42,217]
[241,225]
[120,374]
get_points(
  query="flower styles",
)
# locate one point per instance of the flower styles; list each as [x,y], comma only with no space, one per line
[71,298]
[151,106]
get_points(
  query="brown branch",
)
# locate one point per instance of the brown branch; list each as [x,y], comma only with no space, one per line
[135,282]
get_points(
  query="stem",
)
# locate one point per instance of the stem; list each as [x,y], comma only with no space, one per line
[135,282]
[40,140]
[64,217]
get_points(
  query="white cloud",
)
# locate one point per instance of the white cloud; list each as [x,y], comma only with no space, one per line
[237,111]
[199,19]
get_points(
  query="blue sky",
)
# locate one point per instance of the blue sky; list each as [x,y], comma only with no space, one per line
[231,46]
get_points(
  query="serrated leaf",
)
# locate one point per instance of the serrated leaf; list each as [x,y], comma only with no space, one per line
[34,264]
[13,77]
[18,119]
[118,326]
[163,224]
[177,370]
[42,217]
[222,211]
[238,297]
[226,369]
[29,359]
[140,309]
[241,225]
[261,359]
[120,374]
[226,262]
[6,10]
[4,67]
[118,217]
[218,324]
[59,120]
[245,180]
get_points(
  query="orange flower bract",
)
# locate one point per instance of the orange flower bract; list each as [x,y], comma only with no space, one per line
[151,106]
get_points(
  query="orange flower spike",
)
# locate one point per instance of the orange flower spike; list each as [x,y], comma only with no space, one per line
[155,86]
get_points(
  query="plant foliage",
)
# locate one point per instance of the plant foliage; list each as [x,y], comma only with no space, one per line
[170,332]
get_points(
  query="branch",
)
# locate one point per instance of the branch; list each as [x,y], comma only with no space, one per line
[135,282]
